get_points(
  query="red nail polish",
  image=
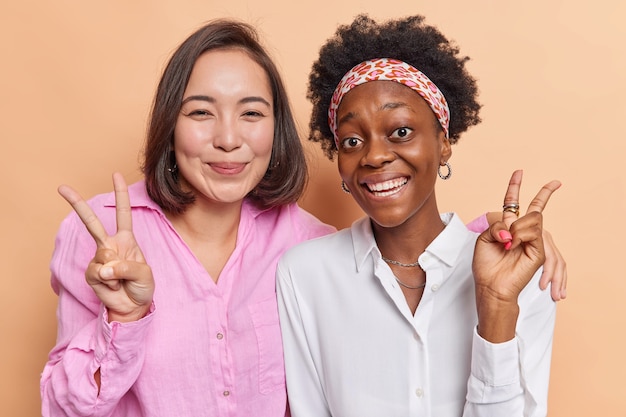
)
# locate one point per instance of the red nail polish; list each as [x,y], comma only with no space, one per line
[505,235]
[508,245]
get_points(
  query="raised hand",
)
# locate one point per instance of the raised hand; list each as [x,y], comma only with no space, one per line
[506,257]
[118,273]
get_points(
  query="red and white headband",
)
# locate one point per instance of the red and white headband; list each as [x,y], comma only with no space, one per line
[387,69]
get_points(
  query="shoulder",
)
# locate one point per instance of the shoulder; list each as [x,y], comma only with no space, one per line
[319,248]
[291,217]
[103,206]
[533,295]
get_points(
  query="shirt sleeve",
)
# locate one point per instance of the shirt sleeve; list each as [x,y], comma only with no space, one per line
[86,341]
[479,224]
[304,390]
[511,379]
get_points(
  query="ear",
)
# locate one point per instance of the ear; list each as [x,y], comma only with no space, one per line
[445,147]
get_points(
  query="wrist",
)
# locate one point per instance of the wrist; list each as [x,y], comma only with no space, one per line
[497,319]
[127,317]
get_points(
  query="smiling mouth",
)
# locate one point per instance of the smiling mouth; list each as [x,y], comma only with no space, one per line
[387,188]
[227,168]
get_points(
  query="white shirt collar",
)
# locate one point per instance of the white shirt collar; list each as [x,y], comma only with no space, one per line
[446,247]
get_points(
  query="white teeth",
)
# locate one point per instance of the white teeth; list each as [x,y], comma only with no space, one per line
[384,188]
[387,185]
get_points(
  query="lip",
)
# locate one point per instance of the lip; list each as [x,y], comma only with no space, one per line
[227,168]
[385,185]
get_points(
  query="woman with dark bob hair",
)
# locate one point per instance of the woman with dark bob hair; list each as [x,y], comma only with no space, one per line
[286,176]
[409,313]
[177,315]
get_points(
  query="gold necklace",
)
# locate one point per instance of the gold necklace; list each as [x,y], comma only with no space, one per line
[408,286]
[411,265]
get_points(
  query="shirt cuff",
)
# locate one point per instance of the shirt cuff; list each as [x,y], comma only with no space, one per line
[124,340]
[495,371]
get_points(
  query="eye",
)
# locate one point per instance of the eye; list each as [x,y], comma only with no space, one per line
[253,114]
[350,143]
[197,114]
[401,132]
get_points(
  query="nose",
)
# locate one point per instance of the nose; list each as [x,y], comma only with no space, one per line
[377,153]
[226,135]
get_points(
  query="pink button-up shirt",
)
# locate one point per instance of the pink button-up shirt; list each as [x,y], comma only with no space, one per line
[205,349]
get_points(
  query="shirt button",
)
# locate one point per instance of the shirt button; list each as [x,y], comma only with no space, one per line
[434,287]
[419,393]
[220,336]
[226,393]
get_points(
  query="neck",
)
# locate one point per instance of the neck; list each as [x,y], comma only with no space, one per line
[210,234]
[406,242]
[208,222]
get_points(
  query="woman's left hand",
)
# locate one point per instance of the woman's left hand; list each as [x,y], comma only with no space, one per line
[554,268]
[507,256]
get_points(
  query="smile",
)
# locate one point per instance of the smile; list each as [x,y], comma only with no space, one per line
[386,188]
[227,168]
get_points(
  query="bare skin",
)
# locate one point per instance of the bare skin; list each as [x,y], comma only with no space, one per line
[502,271]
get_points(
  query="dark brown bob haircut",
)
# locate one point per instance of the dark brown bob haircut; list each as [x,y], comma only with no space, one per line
[286,177]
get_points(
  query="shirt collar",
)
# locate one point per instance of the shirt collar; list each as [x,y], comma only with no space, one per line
[138,197]
[446,247]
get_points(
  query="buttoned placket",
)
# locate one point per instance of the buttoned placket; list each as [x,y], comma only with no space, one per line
[418,359]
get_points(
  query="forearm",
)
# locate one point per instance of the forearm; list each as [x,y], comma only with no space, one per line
[91,374]
[496,319]
[512,378]
[494,386]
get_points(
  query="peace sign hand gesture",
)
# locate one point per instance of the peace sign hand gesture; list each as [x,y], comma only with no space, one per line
[118,273]
[507,256]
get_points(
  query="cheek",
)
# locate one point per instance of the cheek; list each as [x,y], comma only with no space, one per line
[346,165]
[261,139]
[188,139]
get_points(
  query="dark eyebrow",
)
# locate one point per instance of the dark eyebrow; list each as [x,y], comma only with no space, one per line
[201,98]
[395,105]
[345,118]
[254,99]
[251,99]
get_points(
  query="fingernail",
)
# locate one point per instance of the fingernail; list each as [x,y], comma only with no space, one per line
[508,245]
[106,272]
[505,235]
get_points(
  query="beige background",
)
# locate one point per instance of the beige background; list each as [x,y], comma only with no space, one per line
[77,78]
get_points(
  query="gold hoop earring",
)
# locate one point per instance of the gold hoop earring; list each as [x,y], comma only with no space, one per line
[448,175]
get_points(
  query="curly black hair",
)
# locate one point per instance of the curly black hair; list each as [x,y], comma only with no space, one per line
[407,39]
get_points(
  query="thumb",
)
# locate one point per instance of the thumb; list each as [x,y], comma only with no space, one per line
[498,232]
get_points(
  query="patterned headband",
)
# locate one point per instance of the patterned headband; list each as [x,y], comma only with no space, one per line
[387,69]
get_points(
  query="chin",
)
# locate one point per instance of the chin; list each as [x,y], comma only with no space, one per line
[387,220]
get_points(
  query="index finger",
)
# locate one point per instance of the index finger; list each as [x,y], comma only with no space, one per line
[512,197]
[541,199]
[85,213]
[122,204]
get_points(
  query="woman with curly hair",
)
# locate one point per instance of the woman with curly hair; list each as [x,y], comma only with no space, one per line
[408,312]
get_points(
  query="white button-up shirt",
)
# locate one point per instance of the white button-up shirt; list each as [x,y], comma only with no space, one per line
[353,348]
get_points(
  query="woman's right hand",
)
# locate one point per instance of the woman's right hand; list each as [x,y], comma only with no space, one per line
[118,273]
